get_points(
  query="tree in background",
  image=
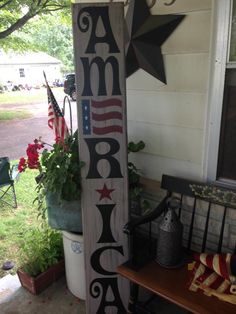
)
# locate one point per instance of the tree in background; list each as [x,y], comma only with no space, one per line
[53,35]
[14,14]
[39,25]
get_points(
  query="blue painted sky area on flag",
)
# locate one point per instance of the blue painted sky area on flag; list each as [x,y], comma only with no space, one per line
[102,117]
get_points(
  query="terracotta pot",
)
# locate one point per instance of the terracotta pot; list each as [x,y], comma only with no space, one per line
[36,285]
[64,215]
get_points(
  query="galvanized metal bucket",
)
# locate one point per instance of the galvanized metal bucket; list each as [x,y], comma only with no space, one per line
[169,244]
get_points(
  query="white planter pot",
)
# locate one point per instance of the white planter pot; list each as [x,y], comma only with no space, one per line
[74,263]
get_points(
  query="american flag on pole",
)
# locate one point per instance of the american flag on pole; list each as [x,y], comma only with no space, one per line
[56,120]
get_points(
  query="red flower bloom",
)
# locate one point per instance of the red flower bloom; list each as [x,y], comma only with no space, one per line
[32,161]
[22,165]
[33,155]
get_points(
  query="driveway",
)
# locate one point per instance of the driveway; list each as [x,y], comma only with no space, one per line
[15,135]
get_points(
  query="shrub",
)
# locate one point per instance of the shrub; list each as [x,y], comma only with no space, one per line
[39,249]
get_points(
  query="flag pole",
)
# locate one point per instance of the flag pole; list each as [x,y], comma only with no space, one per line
[63,111]
[45,78]
[64,103]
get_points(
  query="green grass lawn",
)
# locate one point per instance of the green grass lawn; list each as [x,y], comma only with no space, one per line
[15,222]
[14,114]
[24,97]
[28,96]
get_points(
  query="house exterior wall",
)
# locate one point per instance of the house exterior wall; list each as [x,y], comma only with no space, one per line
[170,118]
[33,73]
[173,120]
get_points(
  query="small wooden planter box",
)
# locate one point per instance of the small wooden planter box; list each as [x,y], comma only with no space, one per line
[36,285]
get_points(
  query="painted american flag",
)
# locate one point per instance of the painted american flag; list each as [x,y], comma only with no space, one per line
[56,120]
[102,117]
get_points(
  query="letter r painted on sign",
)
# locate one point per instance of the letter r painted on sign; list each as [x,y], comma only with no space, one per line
[95,157]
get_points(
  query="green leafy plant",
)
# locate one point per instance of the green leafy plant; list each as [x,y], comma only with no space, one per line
[59,170]
[39,249]
[134,175]
[133,172]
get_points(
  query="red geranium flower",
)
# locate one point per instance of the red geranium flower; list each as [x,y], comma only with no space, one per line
[22,164]
[32,152]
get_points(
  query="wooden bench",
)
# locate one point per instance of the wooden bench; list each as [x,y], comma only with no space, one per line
[171,284]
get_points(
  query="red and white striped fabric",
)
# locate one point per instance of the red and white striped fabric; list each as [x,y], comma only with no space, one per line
[56,120]
[213,274]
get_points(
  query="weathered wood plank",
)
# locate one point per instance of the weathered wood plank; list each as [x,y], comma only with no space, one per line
[99,57]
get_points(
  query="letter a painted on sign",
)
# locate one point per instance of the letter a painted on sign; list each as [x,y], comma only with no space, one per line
[96,13]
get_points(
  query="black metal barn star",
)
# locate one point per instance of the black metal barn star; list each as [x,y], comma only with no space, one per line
[144,37]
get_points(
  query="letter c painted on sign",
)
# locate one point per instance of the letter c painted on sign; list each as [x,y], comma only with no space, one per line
[95,259]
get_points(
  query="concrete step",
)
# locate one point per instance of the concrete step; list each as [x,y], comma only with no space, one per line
[14,299]
[9,284]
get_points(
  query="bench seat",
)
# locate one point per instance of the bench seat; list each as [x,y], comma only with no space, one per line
[172,285]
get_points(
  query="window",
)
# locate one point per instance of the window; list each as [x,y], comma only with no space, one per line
[232,44]
[220,153]
[22,72]
[226,167]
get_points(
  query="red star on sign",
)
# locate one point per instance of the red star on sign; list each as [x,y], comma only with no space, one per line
[105,192]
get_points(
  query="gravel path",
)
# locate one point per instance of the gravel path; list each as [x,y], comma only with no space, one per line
[15,135]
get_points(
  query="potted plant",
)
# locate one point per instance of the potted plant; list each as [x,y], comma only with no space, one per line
[41,258]
[58,183]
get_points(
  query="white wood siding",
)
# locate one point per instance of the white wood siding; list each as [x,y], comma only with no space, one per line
[170,118]
[33,73]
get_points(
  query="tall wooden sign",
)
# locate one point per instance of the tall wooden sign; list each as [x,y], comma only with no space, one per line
[100,74]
